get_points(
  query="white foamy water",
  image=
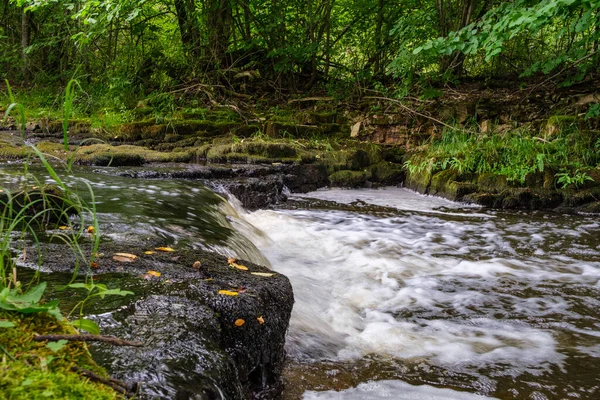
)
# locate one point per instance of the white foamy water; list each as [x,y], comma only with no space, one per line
[392,389]
[461,291]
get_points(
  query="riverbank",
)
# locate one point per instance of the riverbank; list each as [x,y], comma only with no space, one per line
[491,144]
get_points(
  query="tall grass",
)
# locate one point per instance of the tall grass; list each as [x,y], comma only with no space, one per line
[515,155]
[23,215]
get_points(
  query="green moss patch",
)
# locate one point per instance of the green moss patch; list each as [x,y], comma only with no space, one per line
[349,179]
[30,370]
[126,155]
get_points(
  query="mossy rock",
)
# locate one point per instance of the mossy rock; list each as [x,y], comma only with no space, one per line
[135,130]
[218,153]
[76,126]
[266,149]
[443,184]
[247,130]
[292,130]
[354,159]
[33,371]
[387,173]
[418,181]
[203,128]
[154,131]
[394,154]
[125,155]
[490,182]
[349,179]
[322,117]
[10,151]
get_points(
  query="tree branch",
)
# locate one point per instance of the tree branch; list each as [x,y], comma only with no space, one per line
[87,338]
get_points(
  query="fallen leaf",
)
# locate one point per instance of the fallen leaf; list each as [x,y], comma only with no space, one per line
[91,229]
[154,273]
[175,258]
[260,320]
[94,265]
[231,260]
[149,252]
[127,255]
[265,274]
[122,259]
[239,322]
[167,249]
[63,227]
[239,266]
[228,293]
[197,265]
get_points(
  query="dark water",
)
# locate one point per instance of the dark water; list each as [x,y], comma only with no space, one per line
[398,295]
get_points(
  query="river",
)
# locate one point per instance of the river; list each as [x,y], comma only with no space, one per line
[399,295]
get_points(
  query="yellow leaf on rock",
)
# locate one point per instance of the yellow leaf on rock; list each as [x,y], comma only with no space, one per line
[260,320]
[167,249]
[239,266]
[239,322]
[127,255]
[63,227]
[265,274]
[154,273]
[197,265]
[149,252]
[231,260]
[228,293]
[90,229]
[122,259]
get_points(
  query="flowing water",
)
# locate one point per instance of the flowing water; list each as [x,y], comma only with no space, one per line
[393,286]
[398,295]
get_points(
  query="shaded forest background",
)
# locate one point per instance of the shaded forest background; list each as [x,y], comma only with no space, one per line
[122,50]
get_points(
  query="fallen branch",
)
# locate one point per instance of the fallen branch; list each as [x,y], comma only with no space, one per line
[115,384]
[310,99]
[87,338]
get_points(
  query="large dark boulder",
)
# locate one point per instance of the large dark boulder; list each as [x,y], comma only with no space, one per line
[199,342]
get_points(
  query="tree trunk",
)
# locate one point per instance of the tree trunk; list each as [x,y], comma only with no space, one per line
[188,27]
[25,40]
[219,20]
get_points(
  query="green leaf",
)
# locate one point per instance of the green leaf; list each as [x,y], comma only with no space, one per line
[6,324]
[33,295]
[80,286]
[114,292]
[56,346]
[86,325]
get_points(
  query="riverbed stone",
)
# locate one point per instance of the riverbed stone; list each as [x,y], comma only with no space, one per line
[199,342]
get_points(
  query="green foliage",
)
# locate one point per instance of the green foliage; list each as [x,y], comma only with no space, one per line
[515,155]
[576,178]
[28,302]
[568,29]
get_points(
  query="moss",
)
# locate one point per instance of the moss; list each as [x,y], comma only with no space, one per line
[33,371]
[386,172]
[135,130]
[558,124]
[11,151]
[76,126]
[350,179]
[322,117]
[492,182]
[153,131]
[126,155]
